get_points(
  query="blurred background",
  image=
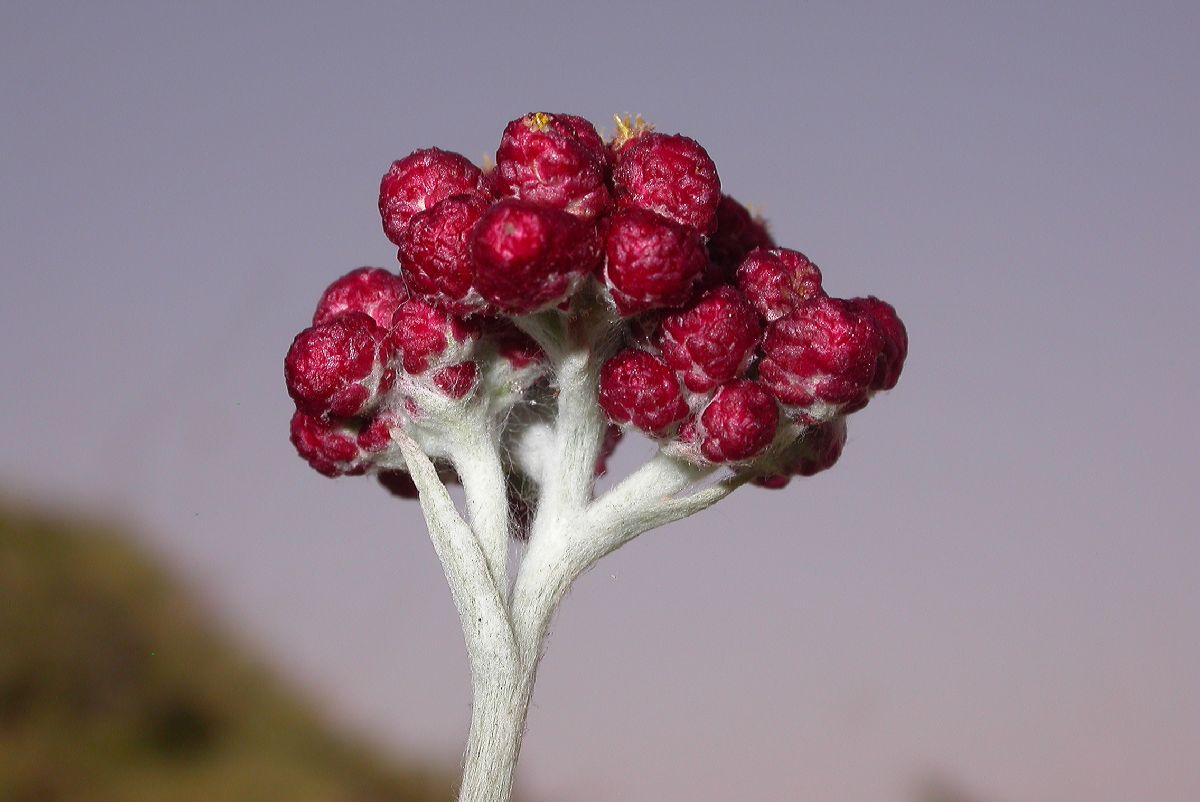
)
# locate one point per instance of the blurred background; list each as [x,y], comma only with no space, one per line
[995,596]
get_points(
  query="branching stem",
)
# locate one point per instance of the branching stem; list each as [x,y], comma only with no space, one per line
[485,620]
[504,631]
[476,457]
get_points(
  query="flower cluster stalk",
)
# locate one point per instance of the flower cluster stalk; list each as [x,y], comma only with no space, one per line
[505,631]
[578,289]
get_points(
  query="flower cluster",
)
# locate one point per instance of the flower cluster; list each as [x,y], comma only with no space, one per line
[721,345]
[761,367]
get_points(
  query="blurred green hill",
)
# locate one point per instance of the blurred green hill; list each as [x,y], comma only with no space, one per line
[113,688]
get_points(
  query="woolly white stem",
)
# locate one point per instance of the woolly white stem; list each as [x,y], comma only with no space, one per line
[577,344]
[505,633]
[643,501]
[484,616]
[570,470]
[476,457]
[547,329]
[501,688]
[659,478]
[611,533]
[498,713]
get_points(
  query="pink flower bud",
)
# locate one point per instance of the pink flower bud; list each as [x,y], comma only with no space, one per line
[530,257]
[554,160]
[338,367]
[370,290]
[738,423]
[670,175]
[420,181]
[639,388]
[652,262]
[711,342]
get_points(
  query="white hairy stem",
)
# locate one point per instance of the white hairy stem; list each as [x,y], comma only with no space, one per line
[505,632]
[475,453]
[484,616]
[532,449]
[569,472]
[643,501]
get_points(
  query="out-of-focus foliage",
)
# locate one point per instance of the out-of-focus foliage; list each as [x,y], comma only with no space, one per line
[112,687]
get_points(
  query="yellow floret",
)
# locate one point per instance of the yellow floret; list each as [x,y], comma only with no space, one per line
[629,128]
[538,121]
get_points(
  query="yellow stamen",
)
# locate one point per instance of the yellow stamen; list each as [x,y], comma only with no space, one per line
[538,121]
[629,128]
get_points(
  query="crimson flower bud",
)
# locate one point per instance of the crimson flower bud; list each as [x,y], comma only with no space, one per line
[429,337]
[399,483]
[516,347]
[554,160]
[821,356]
[420,181]
[895,341]
[457,381]
[776,281]
[528,257]
[376,434]
[774,481]
[822,446]
[738,423]
[370,290]
[652,262]
[671,175]
[711,342]
[339,367]
[818,449]
[327,445]
[738,233]
[637,387]
[435,253]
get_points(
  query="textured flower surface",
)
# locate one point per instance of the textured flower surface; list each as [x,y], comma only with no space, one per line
[543,308]
[338,367]
[823,356]
[706,335]
[712,341]
[371,290]
[670,175]
[435,253]
[528,257]
[776,281]
[556,160]
[420,181]
[650,261]
[641,389]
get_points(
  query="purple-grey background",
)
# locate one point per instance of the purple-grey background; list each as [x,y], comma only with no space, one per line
[1001,581]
